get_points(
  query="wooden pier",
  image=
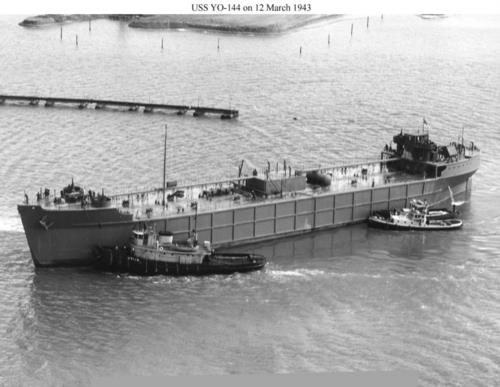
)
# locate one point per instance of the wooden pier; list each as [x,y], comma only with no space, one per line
[130,106]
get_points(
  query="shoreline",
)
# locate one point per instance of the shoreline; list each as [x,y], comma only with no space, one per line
[259,24]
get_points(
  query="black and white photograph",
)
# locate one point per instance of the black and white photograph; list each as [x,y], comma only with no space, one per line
[238,189]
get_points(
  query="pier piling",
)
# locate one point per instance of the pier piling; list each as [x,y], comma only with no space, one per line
[328,39]
[300,50]
[61,32]
[76,40]
[218,44]
[352,28]
[162,43]
[367,21]
[90,25]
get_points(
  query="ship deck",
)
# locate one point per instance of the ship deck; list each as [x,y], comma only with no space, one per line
[147,204]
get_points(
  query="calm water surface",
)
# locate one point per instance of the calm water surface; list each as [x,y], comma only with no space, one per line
[351,299]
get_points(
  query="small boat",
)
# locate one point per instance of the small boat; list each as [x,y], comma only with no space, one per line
[150,253]
[422,206]
[414,218]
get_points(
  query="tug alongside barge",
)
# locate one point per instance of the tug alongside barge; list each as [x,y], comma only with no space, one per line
[417,217]
[258,206]
[153,254]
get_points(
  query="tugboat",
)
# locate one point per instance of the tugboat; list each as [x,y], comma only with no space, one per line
[150,253]
[415,218]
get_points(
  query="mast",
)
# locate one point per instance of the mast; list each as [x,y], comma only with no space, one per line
[164,168]
[462,149]
[195,236]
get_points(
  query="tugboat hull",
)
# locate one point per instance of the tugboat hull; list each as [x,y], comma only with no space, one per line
[433,225]
[121,260]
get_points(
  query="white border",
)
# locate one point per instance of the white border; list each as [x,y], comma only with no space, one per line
[362,7]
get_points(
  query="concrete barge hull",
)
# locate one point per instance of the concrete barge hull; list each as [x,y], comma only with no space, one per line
[62,237]
[68,237]
[293,217]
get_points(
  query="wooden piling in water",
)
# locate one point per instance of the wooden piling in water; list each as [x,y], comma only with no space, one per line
[367,21]
[76,40]
[162,43]
[328,39]
[300,50]
[352,28]
[90,24]
[61,32]
[218,44]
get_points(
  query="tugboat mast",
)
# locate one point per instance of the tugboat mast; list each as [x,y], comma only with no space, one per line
[164,168]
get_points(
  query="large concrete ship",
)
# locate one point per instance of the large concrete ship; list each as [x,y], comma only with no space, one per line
[273,202]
